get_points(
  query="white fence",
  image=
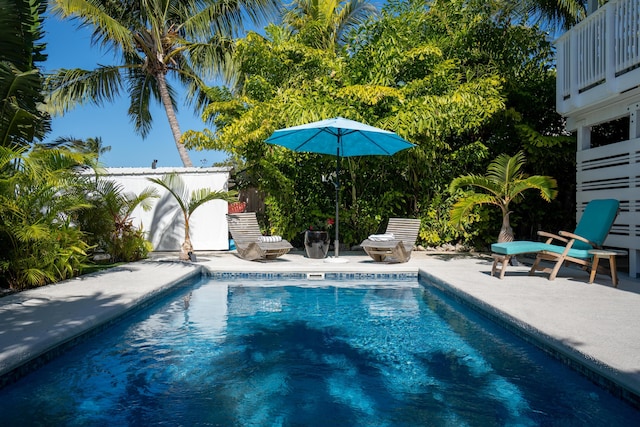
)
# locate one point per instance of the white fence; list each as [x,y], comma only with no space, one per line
[599,58]
[613,172]
[164,224]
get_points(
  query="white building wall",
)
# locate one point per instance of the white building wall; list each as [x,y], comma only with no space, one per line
[164,223]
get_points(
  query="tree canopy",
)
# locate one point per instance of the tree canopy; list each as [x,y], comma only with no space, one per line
[458,79]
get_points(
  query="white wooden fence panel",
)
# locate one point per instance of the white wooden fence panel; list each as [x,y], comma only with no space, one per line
[164,223]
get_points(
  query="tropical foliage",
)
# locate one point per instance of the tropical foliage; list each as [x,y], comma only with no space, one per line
[39,193]
[21,50]
[465,80]
[503,184]
[44,191]
[325,24]
[155,39]
[108,222]
[461,81]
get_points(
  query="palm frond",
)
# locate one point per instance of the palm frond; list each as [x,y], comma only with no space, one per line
[204,195]
[108,29]
[463,207]
[71,87]
[176,186]
[140,87]
[478,181]
[505,168]
[546,185]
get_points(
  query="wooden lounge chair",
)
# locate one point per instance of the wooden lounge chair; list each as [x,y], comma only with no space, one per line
[590,233]
[398,249]
[250,243]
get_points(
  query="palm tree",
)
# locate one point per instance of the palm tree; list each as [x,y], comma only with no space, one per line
[187,39]
[324,24]
[503,184]
[92,146]
[189,202]
[22,119]
[560,14]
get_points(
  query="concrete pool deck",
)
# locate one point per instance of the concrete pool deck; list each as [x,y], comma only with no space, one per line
[596,325]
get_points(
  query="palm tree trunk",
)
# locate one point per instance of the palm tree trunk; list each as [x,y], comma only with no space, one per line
[187,247]
[173,119]
[506,232]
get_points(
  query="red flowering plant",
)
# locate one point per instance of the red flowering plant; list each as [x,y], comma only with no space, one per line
[322,225]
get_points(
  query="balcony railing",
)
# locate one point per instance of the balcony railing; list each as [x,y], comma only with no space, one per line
[599,58]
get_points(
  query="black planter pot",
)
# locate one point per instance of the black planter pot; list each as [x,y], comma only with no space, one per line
[316,244]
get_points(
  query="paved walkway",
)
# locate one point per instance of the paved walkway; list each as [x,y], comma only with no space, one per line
[595,324]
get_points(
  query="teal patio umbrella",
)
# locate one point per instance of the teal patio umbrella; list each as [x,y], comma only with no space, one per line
[341,138]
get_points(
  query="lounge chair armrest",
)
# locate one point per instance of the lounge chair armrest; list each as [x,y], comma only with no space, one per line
[576,237]
[551,237]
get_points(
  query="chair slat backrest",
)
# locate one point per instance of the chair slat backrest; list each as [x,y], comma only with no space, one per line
[244,226]
[405,229]
[596,221]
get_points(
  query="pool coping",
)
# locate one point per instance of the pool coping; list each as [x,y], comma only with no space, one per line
[108,296]
[61,315]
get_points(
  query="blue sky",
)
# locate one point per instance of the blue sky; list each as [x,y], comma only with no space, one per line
[68,47]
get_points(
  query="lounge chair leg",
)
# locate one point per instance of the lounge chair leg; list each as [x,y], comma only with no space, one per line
[555,270]
[504,260]
[534,267]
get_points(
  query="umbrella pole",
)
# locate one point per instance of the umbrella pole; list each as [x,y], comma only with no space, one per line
[336,243]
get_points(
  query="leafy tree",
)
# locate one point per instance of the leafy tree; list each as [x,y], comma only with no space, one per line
[154,39]
[503,184]
[458,79]
[188,202]
[21,117]
[392,75]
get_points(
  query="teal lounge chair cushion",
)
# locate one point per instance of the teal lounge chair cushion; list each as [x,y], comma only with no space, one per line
[526,247]
[595,222]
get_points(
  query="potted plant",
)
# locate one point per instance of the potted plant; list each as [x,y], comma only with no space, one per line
[316,238]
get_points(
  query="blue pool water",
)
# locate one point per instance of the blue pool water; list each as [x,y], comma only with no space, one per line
[235,354]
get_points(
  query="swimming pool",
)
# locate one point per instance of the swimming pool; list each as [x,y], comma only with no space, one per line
[274,354]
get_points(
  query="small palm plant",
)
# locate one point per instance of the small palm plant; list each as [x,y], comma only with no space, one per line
[503,184]
[189,202]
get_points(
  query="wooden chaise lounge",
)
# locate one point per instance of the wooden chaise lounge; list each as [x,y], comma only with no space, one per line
[250,243]
[402,234]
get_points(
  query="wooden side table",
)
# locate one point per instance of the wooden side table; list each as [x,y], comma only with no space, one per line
[611,255]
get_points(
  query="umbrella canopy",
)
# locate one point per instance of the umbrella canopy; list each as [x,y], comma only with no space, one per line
[341,138]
